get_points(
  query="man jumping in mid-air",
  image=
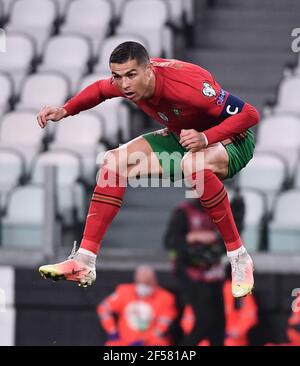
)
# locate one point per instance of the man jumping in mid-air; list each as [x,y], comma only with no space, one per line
[200,118]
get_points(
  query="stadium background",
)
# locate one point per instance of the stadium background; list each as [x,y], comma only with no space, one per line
[53,49]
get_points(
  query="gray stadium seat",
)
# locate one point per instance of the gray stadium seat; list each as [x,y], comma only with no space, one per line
[150,17]
[62,6]
[99,15]
[265,172]
[284,230]
[179,9]
[18,58]
[2,15]
[143,218]
[281,134]
[288,95]
[12,167]
[256,207]
[70,193]
[81,134]
[68,54]
[297,175]
[7,6]
[117,6]
[109,45]
[20,131]
[45,88]
[22,227]
[6,87]
[114,113]
[35,18]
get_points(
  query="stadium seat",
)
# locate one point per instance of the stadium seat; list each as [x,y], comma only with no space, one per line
[68,54]
[99,15]
[117,6]
[45,88]
[138,228]
[255,211]
[62,6]
[150,17]
[2,15]
[6,87]
[284,230]
[22,227]
[17,61]
[265,172]
[180,10]
[81,134]
[288,100]
[297,175]
[71,202]
[35,18]
[12,167]
[281,134]
[20,131]
[109,44]
[114,113]
[7,6]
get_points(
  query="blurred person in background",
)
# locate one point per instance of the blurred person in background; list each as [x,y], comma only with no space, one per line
[196,250]
[241,316]
[293,328]
[139,313]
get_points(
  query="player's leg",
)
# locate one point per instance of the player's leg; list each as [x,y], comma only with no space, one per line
[119,164]
[221,162]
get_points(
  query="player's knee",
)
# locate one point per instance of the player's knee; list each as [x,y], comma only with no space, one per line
[115,160]
[192,163]
[110,160]
[185,165]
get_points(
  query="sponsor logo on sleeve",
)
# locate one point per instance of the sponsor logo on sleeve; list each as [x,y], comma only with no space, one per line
[221,97]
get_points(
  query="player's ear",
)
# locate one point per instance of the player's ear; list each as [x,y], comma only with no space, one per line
[148,70]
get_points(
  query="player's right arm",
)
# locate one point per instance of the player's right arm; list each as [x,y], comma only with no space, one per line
[85,99]
[48,113]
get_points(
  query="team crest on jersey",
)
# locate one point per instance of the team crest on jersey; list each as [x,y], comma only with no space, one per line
[208,90]
[177,112]
[163,116]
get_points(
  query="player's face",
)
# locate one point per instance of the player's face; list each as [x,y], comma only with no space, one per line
[133,80]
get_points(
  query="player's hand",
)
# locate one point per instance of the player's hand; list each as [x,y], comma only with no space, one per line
[47,113]
[192,140]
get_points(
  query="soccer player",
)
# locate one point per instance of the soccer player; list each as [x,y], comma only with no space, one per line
[200,118]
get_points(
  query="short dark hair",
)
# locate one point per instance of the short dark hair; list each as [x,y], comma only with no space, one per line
[127,51]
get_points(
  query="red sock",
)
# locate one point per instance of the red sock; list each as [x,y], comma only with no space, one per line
[105,204]
[215,202]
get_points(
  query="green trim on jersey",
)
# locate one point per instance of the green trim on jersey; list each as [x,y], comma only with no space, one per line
[164,141]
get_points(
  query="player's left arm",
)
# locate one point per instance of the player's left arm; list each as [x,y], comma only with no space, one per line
[239,116]
[236,116]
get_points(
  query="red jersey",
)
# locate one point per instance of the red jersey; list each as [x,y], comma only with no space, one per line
[186,96]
